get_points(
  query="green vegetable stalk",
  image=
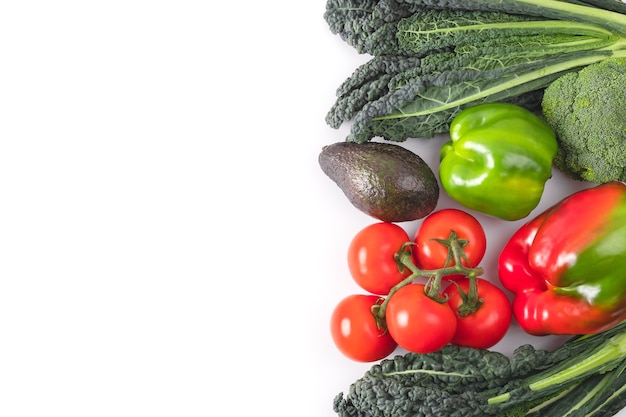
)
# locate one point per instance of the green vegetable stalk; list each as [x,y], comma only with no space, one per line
[584,377]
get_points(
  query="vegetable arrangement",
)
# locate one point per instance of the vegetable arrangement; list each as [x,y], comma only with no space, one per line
[519,85]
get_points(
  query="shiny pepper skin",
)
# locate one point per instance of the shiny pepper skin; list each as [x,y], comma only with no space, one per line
[498,159]
[567,267]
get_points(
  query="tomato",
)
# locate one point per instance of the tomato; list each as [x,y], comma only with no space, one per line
[417,322]
[430,254]
[489,323]
[371,257]
[355,332]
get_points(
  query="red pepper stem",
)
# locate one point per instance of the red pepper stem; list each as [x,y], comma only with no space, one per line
[404,258]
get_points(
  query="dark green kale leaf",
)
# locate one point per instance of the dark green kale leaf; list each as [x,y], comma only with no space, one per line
[453,59]
[357,21]
[606,14]
[586,373]
[368,82]
[426,105]
[442,383]
[614,5]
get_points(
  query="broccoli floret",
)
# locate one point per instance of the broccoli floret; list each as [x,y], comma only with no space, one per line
[587,110]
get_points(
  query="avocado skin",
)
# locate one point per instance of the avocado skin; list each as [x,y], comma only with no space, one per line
[387,182]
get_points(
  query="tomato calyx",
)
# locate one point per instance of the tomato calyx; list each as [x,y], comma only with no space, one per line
[452,254]
[432,289]
[381,324]
[471,301]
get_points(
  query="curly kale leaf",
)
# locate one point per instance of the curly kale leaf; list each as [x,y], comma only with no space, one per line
[585,373]
[431,30]
[426,105]
[451,369]
[441,383]
[515,50]
[414,401]
[602,13]
[383,74]
[476,53]
[368,82]
[374,68]
[369,25]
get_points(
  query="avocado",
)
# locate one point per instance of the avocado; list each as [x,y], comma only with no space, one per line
[386,181]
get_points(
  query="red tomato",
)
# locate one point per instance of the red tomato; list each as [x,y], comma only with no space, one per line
[430,254]
[417,322]
[371,257]
[489,323]
[355,332]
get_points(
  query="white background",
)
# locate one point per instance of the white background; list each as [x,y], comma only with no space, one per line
[168,243]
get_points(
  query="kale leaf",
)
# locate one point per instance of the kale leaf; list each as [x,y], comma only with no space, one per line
[433,58]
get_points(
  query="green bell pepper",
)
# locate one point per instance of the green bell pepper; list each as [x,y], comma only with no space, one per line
[498,159]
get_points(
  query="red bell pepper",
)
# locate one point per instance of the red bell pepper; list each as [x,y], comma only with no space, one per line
[567,267]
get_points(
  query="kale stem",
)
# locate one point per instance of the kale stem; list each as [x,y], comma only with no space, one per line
[603,359]
[605,18]
[607,357]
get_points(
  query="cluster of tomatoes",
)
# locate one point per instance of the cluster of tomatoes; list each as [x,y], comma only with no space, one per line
[410,304]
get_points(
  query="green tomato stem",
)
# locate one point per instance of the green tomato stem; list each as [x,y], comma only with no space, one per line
[471,300]
[404,258]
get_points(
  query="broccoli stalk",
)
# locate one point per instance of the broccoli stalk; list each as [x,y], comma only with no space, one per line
[587,110]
